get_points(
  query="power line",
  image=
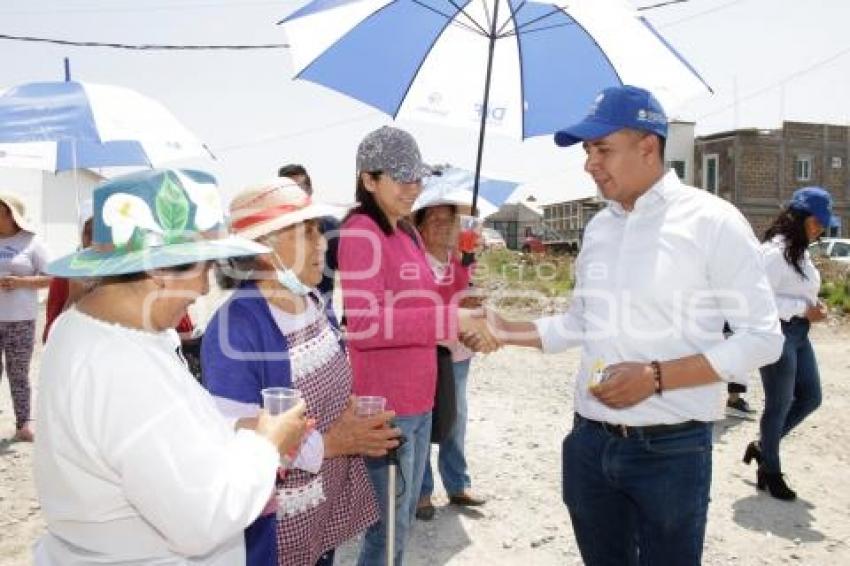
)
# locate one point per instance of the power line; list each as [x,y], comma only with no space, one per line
[305,132]
[700,14]
[191,6]
[661,5]
[154,8]
[141,46]
[172,47]
[758,92]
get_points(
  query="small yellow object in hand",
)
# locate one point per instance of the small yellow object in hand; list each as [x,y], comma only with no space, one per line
[597,374]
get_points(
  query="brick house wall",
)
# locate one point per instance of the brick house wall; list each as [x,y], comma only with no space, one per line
[758,169]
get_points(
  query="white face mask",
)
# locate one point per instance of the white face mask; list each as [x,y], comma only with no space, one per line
[287,278]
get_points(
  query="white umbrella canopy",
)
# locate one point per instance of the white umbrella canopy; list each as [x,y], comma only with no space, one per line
[515,67]
[64,125]
[427,60]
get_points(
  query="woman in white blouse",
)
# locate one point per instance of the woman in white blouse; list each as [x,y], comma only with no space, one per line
[792,384]
[134,463]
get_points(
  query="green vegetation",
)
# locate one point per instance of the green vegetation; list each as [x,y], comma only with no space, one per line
[836,294]
[548,275]
[552,276]
[835,285]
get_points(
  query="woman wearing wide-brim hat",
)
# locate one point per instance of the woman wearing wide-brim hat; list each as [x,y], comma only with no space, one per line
[276,331]
[438,225]
[134,463]
[23,260]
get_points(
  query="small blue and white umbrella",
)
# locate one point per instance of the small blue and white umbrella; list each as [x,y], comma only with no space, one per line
[58,126]
[515,67]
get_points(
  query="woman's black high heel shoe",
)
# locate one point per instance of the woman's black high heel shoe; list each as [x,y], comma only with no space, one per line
[775,484]
[753,452]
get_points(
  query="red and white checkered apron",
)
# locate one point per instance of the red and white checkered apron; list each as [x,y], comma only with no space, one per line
[324,378]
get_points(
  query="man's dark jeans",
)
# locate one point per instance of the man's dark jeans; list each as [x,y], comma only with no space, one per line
[639,500]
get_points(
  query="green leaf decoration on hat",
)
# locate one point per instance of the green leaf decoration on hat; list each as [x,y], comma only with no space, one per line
[172,210]
[98,265]
[136,241]
[80,262]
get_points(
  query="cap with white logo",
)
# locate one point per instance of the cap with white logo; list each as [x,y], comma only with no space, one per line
[614,109]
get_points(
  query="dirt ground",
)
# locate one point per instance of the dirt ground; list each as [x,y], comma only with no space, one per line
[520,409]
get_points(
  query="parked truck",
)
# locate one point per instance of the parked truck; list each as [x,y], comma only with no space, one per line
[543,239]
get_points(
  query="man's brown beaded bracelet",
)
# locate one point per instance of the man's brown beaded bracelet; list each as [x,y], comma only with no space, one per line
[656,369]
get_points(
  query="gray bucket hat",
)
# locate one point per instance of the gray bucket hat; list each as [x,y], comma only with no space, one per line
[394,152]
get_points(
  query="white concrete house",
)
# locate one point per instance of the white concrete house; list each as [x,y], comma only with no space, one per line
[679,152]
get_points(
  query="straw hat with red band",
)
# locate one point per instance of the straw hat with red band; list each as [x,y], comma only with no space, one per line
[269,207]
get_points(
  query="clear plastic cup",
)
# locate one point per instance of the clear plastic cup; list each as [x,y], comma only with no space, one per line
[278,400]
[369,406]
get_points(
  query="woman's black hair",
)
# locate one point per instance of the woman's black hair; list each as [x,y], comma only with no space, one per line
[368,205]
[790,224]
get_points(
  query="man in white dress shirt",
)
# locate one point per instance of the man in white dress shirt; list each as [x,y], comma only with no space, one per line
[660,270]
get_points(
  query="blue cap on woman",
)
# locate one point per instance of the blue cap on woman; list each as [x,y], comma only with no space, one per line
[814,201]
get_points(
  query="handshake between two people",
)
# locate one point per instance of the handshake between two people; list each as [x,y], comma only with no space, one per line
[627,383]
[483,329]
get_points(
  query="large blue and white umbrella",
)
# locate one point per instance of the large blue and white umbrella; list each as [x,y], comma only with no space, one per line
[58,126]
[515,67]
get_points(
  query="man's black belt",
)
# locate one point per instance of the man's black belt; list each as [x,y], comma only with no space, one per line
[624,431]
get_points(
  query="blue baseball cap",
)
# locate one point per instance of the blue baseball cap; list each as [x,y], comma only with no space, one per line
[613,109]
[815,201]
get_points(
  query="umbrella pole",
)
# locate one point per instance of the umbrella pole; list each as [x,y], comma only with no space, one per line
[485,107]
[77,191]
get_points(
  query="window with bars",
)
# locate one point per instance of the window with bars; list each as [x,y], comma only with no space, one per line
[803,168]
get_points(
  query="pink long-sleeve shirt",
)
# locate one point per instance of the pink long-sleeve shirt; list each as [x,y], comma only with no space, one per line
[395,315]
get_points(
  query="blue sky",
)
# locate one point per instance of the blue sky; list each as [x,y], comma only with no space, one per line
[782,58]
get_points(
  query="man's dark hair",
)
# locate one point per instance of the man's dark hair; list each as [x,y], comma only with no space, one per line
[291,170]
[662,142]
